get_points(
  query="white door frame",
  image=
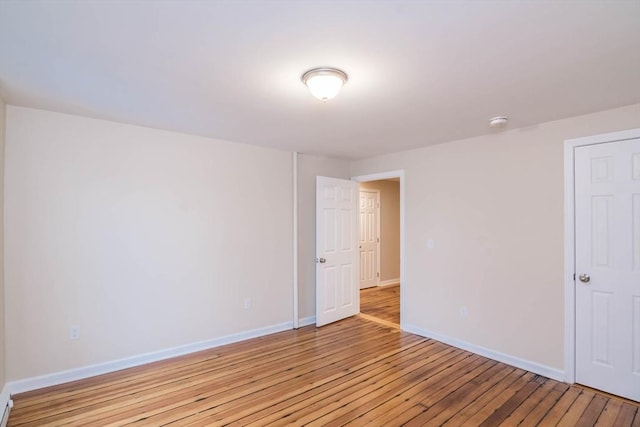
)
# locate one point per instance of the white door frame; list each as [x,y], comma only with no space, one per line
[569,241]
[388,175]
[377,192]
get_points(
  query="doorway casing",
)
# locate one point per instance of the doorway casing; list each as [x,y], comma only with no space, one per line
[389,175]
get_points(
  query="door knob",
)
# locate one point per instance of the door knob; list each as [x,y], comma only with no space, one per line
[584,278]
[321,260]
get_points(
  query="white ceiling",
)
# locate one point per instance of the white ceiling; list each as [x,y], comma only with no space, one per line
[420,73]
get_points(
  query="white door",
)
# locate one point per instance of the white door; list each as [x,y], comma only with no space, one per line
[337,293]
[369,241]
[607,202]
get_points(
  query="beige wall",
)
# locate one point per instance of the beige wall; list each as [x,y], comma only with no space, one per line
[2,304]
[133,234]
[494,207]
[308,168]
[389,227]
[145,239]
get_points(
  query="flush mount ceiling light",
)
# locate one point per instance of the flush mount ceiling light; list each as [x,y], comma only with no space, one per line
[324,83]
[498,122]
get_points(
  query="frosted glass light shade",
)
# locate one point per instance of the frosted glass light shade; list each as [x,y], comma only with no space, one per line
[324,83]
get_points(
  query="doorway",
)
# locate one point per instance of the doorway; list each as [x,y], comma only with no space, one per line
[337,257]
[380,242]
[602,258]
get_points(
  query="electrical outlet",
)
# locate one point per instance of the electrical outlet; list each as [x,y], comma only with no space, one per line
[74,332]
[247,303]
[464,312]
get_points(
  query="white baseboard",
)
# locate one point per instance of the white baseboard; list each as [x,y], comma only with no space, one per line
[389,282]
[34,383]
[311,320]
[528,365]
[6,404]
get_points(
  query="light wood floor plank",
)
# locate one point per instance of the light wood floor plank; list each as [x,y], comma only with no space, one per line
[542,408]
[626,415]
[529,405]
[362,413]
[203,375]
[350,406]
[417,367]
[464,396]
[481,407]
[560,408]
[576,410]
[382,302]
[609,413]
[355,372]
[178,366]
[406,405]
[385,371]
[253,402]
[593,411]
[230,386]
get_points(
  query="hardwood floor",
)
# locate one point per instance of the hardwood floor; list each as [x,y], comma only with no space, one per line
[382,302]
[354,372]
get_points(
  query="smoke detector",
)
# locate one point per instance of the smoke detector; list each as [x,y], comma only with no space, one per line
[498,122]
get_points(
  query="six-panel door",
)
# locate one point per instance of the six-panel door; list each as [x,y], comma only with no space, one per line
[368,242]
[607,203]
[337,292]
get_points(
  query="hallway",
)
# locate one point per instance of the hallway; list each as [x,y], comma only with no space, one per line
[382,302]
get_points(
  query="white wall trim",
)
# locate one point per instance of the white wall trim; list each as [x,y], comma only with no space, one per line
[569,241]
[294,160]
[306,321]
[388,175]
[34,383]
[528,365]
[6,404]
[378,240]
[569,267]
[389,282]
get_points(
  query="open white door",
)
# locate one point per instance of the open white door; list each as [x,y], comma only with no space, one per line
[607,222]
[369,238]
[337,293]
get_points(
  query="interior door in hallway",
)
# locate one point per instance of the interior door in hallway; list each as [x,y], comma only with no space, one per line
[607,220]
[337,293]
[369,238]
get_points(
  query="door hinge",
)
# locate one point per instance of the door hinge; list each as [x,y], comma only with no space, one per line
[574,277]
[378,239]
[378,274]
